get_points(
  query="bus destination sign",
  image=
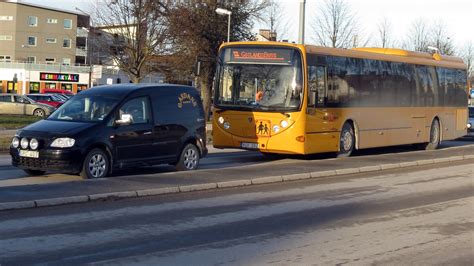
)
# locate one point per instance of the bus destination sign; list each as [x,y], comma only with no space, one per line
[59,77]
[258,55]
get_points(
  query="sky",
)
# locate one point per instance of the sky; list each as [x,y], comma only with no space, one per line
[458,15]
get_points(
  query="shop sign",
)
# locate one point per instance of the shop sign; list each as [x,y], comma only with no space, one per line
[59,77]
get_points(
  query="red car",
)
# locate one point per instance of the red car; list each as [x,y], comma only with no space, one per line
[49,99]
[59,91]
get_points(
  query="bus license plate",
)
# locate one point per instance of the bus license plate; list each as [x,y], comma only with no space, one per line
[29,154]
[249,145]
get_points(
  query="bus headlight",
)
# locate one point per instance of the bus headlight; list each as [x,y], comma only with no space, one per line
[63,143]
[469,125]
[276,128]
[15,142]
[226,125]
[34,144]
[284,123]
[220,120]
[24,143]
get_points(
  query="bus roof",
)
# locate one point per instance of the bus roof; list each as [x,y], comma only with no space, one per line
[385,54]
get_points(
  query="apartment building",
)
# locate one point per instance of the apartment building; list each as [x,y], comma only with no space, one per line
[38,41]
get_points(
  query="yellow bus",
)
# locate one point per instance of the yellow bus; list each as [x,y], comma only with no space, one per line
[301,99]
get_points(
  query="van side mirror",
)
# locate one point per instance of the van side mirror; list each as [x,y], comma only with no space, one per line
[125,119]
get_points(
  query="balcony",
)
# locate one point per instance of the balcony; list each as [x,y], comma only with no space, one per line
[82,32]
[81,51]
[45,67]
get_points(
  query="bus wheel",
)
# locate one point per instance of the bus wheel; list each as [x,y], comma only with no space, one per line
[434,136]
[347,141]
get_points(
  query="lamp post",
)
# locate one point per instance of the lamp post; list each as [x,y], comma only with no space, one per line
[222,11]
[23,86]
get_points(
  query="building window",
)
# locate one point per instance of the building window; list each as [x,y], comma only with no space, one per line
[12,87]
[52,21]
[66,86]
[6,38]
[31,40]
[32,21]
[8,18]
[50,60]
[50,40]
[50,85]
[5,58]
[34,87]
[68,23]
[31,59]
[67,43]
[67,61]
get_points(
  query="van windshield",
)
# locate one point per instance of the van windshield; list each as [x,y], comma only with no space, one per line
[85,108]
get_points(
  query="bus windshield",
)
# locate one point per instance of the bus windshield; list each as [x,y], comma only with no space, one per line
[260,79]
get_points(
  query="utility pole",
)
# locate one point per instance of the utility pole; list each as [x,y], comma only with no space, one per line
[302,20]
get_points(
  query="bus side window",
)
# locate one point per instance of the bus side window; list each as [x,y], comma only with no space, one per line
[317,86]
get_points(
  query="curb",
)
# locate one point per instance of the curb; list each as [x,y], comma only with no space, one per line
[219,185]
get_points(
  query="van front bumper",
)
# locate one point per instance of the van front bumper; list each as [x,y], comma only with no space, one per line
[60,160]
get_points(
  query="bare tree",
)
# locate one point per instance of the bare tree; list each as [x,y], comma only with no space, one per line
[335,25]
[418,36]
[275,20]
[384,33]
[132,32]
[196,31]
[439,38]
[467,55]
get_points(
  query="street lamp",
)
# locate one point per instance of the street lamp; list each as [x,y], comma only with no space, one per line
[222,11]
[28,61]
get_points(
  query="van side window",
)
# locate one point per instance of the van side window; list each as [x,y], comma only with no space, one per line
[139,108]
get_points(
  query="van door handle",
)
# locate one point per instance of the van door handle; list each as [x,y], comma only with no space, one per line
[147,133]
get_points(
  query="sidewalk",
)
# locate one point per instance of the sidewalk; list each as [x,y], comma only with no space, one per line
[151,184]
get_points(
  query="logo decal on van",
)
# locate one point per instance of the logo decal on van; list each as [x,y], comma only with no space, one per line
[186,98]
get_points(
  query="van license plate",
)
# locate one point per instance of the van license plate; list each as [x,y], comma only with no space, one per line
[249,145]
[29,154]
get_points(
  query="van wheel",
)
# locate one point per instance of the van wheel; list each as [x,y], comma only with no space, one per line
[435,133]
[189,159]
[39,112]
[346,141]
[96,165]
[34,172]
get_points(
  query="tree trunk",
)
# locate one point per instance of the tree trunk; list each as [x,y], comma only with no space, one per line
[206,93]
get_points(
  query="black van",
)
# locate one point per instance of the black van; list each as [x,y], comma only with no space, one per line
[116,126]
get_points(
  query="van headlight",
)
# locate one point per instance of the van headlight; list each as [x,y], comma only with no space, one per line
[24,143]
[63,143]
[34,144]
[15,142]
[469,125]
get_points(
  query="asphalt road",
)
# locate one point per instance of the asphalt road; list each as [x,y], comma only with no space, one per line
[413,216]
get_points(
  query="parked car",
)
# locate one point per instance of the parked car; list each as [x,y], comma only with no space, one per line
[470,125]
[50,99]
[15,104]
[116,126]
[59,91]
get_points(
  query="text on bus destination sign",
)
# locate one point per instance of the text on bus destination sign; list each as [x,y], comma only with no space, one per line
[256,55]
